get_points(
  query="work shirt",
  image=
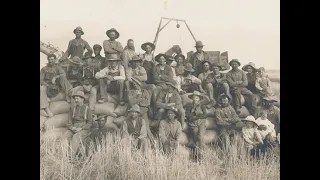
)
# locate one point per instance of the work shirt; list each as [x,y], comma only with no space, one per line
[119,69]
[80,116]
[226,116]
[237,78]
[48,72]
[76,47]
[108,45]
[135,128]
[169,130]
[137,73]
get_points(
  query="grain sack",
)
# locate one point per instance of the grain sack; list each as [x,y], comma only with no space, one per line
[244,112]
[185,128]
[211,112]
[42,120]
[183,139]
[119,120]
[106,108]
[210,137]
[121,110]
[55,134]
[109,123]
[59,107]
[60,97]
[211,123]
[153,123]
[57,121]
[186,100]
[43,113]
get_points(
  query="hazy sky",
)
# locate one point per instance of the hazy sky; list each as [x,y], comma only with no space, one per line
[248,29]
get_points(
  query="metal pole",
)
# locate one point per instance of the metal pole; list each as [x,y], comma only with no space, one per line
[190,32]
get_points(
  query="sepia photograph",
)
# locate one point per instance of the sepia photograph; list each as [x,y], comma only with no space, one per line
[159,89]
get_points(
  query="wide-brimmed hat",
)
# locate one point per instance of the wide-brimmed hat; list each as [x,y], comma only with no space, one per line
[251,119]
[173,109]
[179,55]
[96,46]
[223,95]
[100,117]
[113,30]
[217,65]
[196,93]
[76,60]
[269,99]
[235,60]
[173,84]
[144,45]
[79,93]
[159,55]
[112,57]
[199,44]
[188,67]
[135,108]
[78,29]
[135,58]
[253,66]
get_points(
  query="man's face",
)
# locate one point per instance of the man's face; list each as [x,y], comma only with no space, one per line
[113,64]
[102,123]
[224,102]
[135,64]
[97,51]
[179,60]
[215,69]
[234,65]
[112,35]
[149,49]
[134,114]
[78,100]
[51,61]
[199,48]
[196,99]
[78,34]
[171,115]
[162,60]
[262,73]
[249,69]
[206,66]
[170,89]
[130,44]
[264,115]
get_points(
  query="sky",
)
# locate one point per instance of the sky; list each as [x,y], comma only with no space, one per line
[248,29]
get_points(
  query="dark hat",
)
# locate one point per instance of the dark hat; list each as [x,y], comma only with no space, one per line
[144,45]
[78,29]
[159,55]
[196,93]
[216,65]
[253,66]
[234,60]
[173,109]
[180,55]
[76,60]
[222,96]
[100,117]
[173,84]
[79,94]
[135,58]
[96,46]
[112,57]
[113,30]
[199,44]
[52,90]
[188,67]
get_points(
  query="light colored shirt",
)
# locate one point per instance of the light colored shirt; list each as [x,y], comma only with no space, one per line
[108,45]
[127,56]
[169,130]
[251,135]
[237,78]
[270,128]
[137,73]
[104,72]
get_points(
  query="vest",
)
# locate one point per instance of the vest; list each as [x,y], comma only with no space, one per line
[135,131]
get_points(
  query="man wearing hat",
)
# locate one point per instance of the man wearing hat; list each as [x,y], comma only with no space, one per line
[226,118]
[267,104]
[179,69]
[77,46]
[128,53]
[52,76]
[238,82]
[197,57]
[189,82]
[112,46]
[134,128]
[98,60]
[251,70]
[79,123]
[169,62]
[99,133]
[170,130]
[169,98]
[148,59]
[75,71]
[111,78]
[206,78]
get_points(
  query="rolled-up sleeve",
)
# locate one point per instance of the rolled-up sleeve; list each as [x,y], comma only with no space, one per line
[122,74]
[102,73]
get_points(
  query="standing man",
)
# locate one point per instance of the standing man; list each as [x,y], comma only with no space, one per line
[98,60]
[112,46]
[238,82]
[147,59]
[79,124]
[111,78]
[197,57]
[52,77]
[128,53]
[77,46]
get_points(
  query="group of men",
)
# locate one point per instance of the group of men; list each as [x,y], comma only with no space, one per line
[150,85]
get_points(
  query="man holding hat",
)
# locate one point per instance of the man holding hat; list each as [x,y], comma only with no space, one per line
[197,57]
[170,98]
[79,124]
[189,82]
[170,130]
[112,78]
[128,53]
[53,77]
[238,82]
[77,46]
[148,59]
[112,46]
[134,128]
[251,70]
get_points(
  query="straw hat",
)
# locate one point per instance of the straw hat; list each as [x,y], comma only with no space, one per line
[251,119]
[196,93]
[235,60]
[188,67]
[135,108]
[144,45]
[79,94]
[253,66]
[78,29]
[113,30]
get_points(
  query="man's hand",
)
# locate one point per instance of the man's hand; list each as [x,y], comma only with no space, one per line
[171,104]
[54,80]
[78,129]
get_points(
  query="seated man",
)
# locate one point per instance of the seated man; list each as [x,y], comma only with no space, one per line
[52,77]
[98,134]
[206,78]
[170,98]
[189,83]
[169,62]
[179,69]
[170,130]
[79,124]
[134,128]
[227,119]
[74,71]
[238,82]
[273,112]
[111,78]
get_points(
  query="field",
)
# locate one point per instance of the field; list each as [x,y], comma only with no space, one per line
[119,160]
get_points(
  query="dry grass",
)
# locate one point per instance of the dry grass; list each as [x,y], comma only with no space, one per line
[117,160]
